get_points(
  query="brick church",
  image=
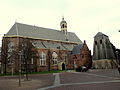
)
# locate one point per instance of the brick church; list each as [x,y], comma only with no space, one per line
[53,49]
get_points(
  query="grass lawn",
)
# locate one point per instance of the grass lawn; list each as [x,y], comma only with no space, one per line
[42,72]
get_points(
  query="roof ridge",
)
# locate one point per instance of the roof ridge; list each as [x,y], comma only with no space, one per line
[41,27]
[99,34]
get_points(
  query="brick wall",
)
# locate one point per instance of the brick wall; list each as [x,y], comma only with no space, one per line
[80,59]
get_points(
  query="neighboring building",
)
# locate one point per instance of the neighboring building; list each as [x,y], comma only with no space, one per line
[103,49]
[117,56]
[0,58]
[52,48]
[80,56]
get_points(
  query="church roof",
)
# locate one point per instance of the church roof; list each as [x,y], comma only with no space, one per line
[50,45]
[32,31]
[76,49]
[100,34]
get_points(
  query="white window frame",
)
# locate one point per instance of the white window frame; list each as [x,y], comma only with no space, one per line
[65,58]
[42,59]
[32,61]
[54,58]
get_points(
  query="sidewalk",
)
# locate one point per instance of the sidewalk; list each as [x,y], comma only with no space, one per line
[36,81]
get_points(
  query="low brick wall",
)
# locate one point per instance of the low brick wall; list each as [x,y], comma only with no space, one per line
[104,64]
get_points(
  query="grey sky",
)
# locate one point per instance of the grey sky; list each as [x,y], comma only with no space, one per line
[84,17]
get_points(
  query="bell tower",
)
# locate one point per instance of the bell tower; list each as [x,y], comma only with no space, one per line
[63,25]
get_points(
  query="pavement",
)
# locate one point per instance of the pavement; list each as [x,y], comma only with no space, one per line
[35,81]
[71,80]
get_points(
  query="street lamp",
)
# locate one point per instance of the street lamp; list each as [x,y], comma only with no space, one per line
[117,57]
[74,63]
[49,55]
[19,53]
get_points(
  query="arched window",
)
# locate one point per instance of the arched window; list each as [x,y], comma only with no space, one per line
[95,42]
[65,58]
[63,25]
[100,41]
[10,52]
[32,62]
[54,58]
[42,59]
[82,56]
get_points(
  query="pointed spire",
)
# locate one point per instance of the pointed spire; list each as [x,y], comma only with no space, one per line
[84,41]
[62,18]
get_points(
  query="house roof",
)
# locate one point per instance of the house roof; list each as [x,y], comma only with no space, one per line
[76,49]
[100,34]
[41,33]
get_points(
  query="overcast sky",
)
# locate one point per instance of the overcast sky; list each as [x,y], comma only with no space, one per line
[84,17]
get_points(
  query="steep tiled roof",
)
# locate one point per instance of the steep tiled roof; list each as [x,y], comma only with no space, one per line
[76,49]
[50,45]
[41,33]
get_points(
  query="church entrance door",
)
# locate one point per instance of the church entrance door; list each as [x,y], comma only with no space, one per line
[63,66]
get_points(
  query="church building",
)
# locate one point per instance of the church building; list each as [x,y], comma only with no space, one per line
[103,52]
[49,49]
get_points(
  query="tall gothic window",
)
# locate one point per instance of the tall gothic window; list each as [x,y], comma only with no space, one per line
[63,26]
[32,61]
[65,58]
[54,58]
[42,59]
[10,53]
[100,41]
[95,42]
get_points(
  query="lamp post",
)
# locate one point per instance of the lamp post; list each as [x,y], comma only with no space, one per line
[19,53]
[12,69]
[49,55]
[74,63]
[117,60]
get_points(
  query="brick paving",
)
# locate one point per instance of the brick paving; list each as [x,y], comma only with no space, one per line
[103,86]
[106,72]
[80,77]
[36,81]
[92,80]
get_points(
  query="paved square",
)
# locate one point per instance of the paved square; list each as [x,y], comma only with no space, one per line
[92,80]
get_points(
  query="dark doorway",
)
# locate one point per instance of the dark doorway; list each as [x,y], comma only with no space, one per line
[63,66]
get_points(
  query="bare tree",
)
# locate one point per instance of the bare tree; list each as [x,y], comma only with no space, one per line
[49,58]
[27,55]
[4,55]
